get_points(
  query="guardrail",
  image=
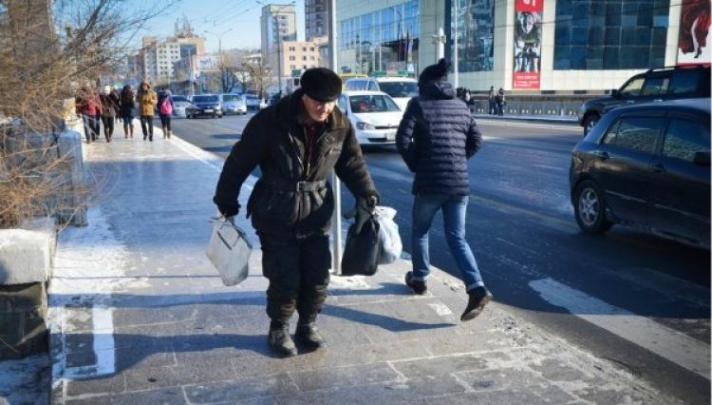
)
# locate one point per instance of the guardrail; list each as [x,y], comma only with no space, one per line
[562,108]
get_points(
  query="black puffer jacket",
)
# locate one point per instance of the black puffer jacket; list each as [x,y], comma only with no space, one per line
[436,137]
[275,141]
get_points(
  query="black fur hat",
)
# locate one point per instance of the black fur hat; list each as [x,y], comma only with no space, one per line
[437,71]
[321,84]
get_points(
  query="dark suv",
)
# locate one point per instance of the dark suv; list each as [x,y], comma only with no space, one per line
[690,81]
[646,165]
[205,104]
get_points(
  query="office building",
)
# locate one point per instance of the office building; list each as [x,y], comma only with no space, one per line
[526,46]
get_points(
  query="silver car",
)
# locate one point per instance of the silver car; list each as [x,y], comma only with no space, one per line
[180,103]
[234,104]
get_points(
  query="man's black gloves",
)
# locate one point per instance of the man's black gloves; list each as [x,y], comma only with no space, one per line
[229,211]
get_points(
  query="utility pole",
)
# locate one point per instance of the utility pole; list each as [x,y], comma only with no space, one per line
[279,55]
[456,61]
[336,228]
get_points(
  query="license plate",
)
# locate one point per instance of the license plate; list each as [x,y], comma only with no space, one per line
[390,136]
[208,110]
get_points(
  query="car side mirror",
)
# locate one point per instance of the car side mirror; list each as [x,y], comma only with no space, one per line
[702,158]
[615,93]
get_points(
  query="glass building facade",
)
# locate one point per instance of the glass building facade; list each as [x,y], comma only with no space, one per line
[381,40]
[610,34]
[475,33]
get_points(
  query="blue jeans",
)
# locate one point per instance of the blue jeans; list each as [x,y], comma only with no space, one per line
[454,211]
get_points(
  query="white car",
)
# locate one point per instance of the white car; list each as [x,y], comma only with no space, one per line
[401,89]
[234,104]
[374,115]
[253,102]
[179,105]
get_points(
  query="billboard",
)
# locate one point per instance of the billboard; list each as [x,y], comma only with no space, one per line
[693,45]
[527,44]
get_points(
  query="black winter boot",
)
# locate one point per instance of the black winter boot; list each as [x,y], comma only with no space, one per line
[308,336]
[478,298]
[279,340]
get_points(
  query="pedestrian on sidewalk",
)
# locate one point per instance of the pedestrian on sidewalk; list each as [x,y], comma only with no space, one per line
[88,106]
[501,101]
[109,109]
[435,138]
[296,143]
[146,99]
[492,98]
[127,107]
[165,111]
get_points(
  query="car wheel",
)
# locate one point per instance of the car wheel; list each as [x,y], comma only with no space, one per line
[590,208]
[589,122]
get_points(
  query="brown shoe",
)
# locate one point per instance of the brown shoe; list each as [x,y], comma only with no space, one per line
[479,297]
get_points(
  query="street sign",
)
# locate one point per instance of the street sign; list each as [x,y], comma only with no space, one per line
[296,73]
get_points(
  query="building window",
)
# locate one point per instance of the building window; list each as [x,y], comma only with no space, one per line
[610,35]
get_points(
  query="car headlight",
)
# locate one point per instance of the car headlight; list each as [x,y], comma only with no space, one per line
[364,125]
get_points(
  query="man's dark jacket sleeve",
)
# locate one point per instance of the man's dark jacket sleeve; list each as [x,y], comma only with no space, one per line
[243,158]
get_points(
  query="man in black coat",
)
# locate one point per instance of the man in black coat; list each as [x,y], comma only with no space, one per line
[436,137]
[296,143]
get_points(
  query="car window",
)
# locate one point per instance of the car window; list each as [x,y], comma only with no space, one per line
[655,85]
[684,81]
[232,97]
[341,103]
[684,138]
[179,98]
[635,133]
[373,86]
[633,87]
[352,84]
[205,99]
[400,89]
[372,103]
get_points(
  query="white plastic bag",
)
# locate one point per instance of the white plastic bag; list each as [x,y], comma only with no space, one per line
[229,251]
[391,245]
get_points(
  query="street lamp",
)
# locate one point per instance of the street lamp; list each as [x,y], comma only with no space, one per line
[222,63]
[219,42]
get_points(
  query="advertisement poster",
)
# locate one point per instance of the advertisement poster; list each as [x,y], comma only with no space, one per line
[694,42]
[527,44]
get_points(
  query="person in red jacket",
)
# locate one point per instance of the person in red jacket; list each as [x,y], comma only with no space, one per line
[88,106]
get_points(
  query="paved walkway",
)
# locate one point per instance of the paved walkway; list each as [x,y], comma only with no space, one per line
[139,316]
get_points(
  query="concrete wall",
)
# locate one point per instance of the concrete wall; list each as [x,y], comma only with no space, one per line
[26,258]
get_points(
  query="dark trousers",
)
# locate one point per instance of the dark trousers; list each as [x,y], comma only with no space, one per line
[91,126]
[108,126]
[298,273]
[147,125]
[165,121]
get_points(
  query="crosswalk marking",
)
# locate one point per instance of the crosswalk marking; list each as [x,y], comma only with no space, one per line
[677,347]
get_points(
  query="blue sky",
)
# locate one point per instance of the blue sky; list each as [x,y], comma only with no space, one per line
[237,20]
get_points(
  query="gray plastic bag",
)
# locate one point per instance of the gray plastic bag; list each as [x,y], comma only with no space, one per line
[229,251]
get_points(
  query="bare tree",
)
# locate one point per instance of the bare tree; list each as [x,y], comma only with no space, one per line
[258,74]
[47,49]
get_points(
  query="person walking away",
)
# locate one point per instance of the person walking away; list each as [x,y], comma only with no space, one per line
[109,109]
[126,110]
[435,138]
[146,99]
[165,111]
[88,106]
[500,102]
[296,143]
[492,98]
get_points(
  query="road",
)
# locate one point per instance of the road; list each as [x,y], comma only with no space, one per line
[635,299]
